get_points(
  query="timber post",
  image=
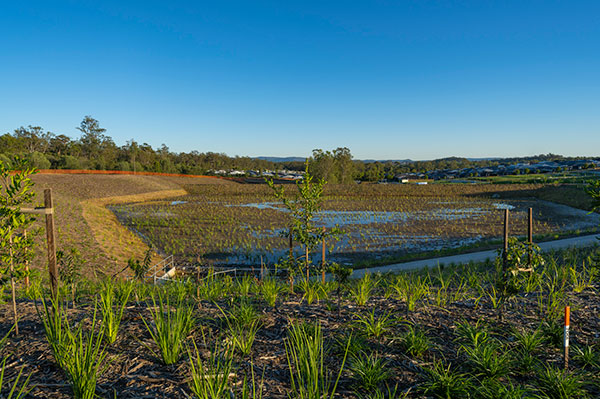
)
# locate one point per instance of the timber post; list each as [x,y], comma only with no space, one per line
[530,235]
[323,257]
[505,252]
[50,238]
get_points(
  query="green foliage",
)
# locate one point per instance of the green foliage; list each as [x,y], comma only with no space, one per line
[303,208]
[85,364]
[363,289]
[209,379]
[335,166]
[514,267]
[488,359]
[444,383]
[242,325]
[411,288]
[140,269]
[529,341]
[57,330]
[587,355]
[270,290]
[593,190]
[16,390]
[559,384]
[16,248]
[172,324]
[369,370]
[374,326]
[112,308]
[69,268]
[305,352]
[415,342]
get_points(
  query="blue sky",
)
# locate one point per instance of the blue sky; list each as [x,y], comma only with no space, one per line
[390,80]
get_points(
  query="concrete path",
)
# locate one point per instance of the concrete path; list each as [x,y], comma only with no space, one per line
[581,241]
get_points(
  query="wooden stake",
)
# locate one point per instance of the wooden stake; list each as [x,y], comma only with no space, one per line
[12,285]
[323,257]
[26,264]
[291,246]
[530,228]
[567,326]
[530,235]
[505,253]
[52,269]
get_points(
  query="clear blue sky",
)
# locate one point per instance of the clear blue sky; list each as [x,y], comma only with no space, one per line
[390,80]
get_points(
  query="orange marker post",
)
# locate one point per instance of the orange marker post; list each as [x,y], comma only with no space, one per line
[567,325]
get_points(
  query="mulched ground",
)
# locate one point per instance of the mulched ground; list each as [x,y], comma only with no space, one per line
[134,372]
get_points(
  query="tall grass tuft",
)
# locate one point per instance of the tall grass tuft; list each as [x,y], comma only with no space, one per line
[242,325]
[305,352]
[210,378]
[363,289]
[112,308]
[170,326]
[270,290]
[57,330]
[17,391]
[86,361]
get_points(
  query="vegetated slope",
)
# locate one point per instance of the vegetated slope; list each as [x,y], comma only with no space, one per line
[83,222]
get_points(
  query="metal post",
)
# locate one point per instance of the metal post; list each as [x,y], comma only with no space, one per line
[52,269]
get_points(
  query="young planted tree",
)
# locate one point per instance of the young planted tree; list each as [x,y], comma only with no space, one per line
[15,246]
[340,275]
[303,208]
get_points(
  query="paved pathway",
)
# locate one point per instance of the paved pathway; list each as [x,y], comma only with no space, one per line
[581,241]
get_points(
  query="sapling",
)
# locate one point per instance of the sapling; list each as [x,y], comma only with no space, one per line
[340,275]
[15,246]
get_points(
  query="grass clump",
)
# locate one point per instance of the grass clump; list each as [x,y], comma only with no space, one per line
[112,308]
[209,379]
[170,326]
[305,352]
[86,361]
[242,325]
[369,370]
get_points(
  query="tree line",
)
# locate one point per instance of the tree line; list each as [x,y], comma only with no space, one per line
[94,149]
